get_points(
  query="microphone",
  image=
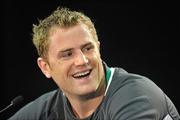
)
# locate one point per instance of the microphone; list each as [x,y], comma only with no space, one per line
[14,102]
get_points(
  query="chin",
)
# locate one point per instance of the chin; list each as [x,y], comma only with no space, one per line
[87,91]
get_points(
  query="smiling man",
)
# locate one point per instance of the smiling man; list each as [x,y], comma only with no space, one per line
[69,53]
[75,65]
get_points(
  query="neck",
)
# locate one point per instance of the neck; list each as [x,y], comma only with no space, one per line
[84,106]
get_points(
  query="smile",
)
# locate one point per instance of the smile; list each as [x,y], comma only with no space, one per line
[82,74]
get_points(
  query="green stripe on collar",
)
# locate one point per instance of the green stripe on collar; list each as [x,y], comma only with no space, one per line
[108,74]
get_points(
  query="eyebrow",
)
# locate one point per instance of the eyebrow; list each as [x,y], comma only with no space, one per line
[82,46]
[86,44]
[69,49]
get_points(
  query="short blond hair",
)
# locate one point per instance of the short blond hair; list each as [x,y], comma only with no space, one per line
[63,18]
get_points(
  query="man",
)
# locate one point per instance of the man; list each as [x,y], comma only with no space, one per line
[69,53]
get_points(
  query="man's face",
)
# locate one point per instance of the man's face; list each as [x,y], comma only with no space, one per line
[74,60]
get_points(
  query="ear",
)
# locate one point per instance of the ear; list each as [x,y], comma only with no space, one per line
[44,66]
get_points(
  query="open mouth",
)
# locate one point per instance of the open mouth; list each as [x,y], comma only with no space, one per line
[83,74]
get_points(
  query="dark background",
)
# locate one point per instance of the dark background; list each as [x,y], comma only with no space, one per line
[140,37]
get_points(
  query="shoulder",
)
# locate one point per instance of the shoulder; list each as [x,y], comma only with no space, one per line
[134,94]
[38,107]
[135,83]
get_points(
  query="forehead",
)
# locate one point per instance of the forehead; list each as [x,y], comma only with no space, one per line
[61,38]
[61,33]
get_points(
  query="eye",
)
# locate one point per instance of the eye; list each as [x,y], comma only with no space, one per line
[66,54]
[88,48]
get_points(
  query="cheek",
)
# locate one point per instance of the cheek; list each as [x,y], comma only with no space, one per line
[62,71]
[97,58]
[96,62]
[60,77]
[95,55]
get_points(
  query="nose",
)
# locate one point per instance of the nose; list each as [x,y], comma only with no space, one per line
[81,59]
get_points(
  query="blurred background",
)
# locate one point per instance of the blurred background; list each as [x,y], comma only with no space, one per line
[140,37]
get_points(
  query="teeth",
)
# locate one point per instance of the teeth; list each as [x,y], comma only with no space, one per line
[82,74]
